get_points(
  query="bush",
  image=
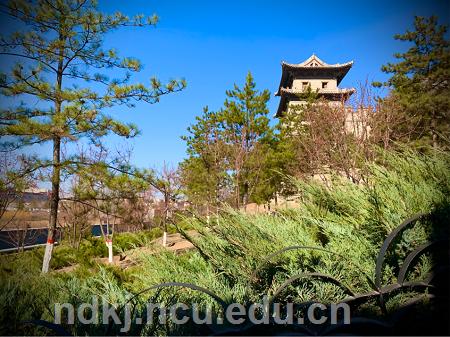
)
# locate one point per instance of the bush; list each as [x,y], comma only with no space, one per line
[347,220]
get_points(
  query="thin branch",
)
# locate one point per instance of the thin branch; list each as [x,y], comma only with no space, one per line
[28,57]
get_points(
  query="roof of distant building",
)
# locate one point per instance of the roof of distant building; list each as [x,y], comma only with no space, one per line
[315,61]
[313,67]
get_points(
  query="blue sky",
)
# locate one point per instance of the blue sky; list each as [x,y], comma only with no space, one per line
[213,44]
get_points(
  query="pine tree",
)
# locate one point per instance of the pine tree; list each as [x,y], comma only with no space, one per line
[204,172]
[420,80]
[58,51]
[232,151]
[248,135]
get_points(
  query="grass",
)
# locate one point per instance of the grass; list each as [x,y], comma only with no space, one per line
[348,220]
[90,248]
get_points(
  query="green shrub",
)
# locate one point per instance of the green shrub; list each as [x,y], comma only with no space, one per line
[347,219]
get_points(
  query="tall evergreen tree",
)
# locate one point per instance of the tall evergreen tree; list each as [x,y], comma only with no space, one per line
[232,151]
[420,80]
[58,51]
[248,136]
[204,172]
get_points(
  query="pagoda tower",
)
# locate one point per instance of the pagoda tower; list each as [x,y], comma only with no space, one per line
[313,73]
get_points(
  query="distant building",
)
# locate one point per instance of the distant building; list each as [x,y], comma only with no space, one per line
[315,74]
[36,194]
[31,199]
[323,79]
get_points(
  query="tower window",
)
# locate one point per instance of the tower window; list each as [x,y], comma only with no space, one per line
[324,85]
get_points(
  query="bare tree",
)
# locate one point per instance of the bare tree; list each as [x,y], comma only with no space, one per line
[75,221]
[14,180]
[340,137]
[168,185]
[135,211]
[21,235]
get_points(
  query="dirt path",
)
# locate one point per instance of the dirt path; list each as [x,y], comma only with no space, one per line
[175,243]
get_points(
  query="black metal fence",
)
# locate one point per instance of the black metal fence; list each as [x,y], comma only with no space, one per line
[26,238]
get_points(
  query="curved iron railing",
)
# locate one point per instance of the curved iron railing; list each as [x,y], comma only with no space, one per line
[379,291]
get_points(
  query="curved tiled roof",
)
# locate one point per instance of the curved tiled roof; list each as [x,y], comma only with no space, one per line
[292,94]
[316,62]
[321,91]
[312,64]
[311,68]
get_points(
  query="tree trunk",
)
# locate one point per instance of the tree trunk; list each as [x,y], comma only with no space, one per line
[108,240]
[109,244]
[54,203]
[56,174]
[238,192]
[245,196]
[164,240]
[166,216]
[433,131]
